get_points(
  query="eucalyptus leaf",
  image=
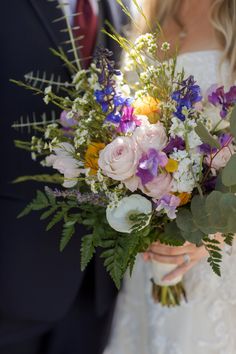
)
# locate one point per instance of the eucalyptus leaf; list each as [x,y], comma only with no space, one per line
[200,215]
[195,237]
[206,137]
[185,221]
[229,172]
[233,122]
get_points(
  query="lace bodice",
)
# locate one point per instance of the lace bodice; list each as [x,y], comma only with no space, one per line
[205,66]
[204,325]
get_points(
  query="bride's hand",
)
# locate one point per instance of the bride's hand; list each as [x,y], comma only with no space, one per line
[185,257]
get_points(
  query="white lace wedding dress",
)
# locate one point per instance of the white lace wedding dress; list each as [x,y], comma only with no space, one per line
[207,323]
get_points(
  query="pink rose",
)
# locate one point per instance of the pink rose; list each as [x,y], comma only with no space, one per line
[119,159]
[221,158]
[151,136]
[158,187]
[132,183]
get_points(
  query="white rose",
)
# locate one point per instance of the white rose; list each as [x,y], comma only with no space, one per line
[151,136]
[118,216]
[119,159]
[66,164]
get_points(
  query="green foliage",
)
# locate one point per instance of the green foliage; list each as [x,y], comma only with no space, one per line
[215,213]
[205,136]
[233,122]
[54,178]
[228,173]
[229,238]
[67,233]
[59,210]
[215,256]
[171,235]
[87,250]
[58,216]
[40,202]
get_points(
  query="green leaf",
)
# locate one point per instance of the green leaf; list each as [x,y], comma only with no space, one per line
[229,238]
[206,137]
[57,218]
[228,174]
[55,178]
[200,215]
[215,256]
[67,233]
[193,237]
[39,203]
[87,250]
[233,122]
[49,212]
[185,221]
[172,235]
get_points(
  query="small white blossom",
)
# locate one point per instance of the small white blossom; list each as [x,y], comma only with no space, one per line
[187,174]
[100,175]
[165,46]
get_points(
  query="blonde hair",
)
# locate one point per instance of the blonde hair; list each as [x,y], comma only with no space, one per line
[223,19]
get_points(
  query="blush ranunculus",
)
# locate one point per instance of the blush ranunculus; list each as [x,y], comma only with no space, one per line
[119,159]
[151,136]
[221,158]
[158,187]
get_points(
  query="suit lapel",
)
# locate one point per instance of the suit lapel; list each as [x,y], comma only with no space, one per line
[113,13]
[47,12]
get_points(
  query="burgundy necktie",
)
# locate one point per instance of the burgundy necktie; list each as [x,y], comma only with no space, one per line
[87,23]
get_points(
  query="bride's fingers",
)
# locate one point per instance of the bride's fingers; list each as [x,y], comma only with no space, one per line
[167,259]
[172,251]
[181,270]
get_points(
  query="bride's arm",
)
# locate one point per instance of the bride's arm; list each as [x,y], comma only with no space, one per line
[178,256]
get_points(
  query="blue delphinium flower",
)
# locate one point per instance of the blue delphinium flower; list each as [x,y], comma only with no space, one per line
[110,100]
[188,94]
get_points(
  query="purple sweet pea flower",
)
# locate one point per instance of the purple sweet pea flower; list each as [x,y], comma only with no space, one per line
[206,149]
[129,121]
[149,164]
[218,97]
[68,122]
[169,204]
[174,143]
[224,140]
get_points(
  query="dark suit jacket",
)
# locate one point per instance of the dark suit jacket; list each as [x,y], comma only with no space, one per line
[37,282]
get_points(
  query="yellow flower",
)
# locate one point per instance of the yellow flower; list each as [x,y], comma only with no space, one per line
[184,198]
[172,165]
[92,155]
[147,106]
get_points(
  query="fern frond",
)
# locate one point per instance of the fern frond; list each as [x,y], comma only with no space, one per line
[229,238]
[67,233]
[40,202]
[87,250]
[42,81]
[215,256]
[31,123]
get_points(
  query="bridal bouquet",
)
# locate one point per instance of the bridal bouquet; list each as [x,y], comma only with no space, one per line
[136,162]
